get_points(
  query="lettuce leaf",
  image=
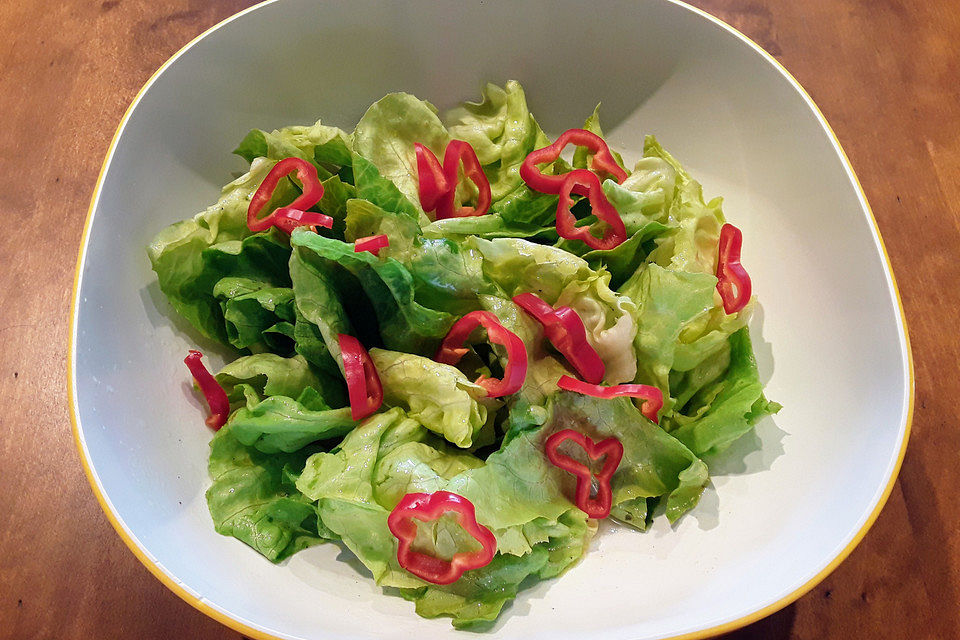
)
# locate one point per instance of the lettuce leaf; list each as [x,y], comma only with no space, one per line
[386,134]
[436,395]
[401,323]
[501,130]
[281,403]
[691,244]
[191,256]
[654,464]
[254,498]
[721,410]
[256,315]
[317,143]
[562,278]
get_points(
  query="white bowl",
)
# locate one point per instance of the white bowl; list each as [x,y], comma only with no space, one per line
[830,337]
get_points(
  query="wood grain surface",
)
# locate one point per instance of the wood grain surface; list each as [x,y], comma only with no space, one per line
[886,74]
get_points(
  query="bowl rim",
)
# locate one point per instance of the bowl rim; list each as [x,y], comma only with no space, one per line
[245,627]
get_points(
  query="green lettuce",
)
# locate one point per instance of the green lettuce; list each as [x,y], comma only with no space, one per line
[723,408]
[191,256]
[691,244]
[386,134]
[501,130]
[281,403]
[256,316]
[391,315]
[655,464]
[254,498]
[436,395]
[316,143]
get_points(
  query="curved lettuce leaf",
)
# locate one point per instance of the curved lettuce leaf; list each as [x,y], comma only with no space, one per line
[191,256]
[654,464]
[320,317]
[401,323]
[386,134]
[316,143]
[254,498]
[436,395]
[281,403]
[691,244]
[256,316]
[501,130]
[562,278]
[723,409]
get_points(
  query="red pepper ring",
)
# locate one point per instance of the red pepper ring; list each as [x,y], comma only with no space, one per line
[214,394]
[733,282]
[363,383]
[312,192]
[438,184]
[288,219]
[452,350]
[652,396]
[597,507]
[564,328]
[602,161]
[585,183]
[427,507]
[373,244]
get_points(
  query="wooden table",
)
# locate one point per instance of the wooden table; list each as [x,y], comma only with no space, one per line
[885,72]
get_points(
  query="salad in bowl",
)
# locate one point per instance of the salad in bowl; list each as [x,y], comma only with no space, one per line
[458,346]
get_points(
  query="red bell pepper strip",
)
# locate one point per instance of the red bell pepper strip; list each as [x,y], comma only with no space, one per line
[214,394]
[283,217]
[599,506]
[602,161]
[432,180]
[288,219]
[363,383]
[438,185]
[652,397]
[427,507]
[373,244]
[733,281]
[452,350]
[586,183]
[564,329]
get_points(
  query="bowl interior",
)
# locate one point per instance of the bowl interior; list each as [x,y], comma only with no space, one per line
[783,504]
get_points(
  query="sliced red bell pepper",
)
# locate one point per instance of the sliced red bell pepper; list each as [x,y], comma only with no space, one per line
[598,506]
[564,329]
[288,219]
[432,180]
[214,394]
[438,185]
[284,218]
[652,397]
[427,507]
[452,350]
[602,162]
[733,282]
[363,383]
[586,183]
[373,244]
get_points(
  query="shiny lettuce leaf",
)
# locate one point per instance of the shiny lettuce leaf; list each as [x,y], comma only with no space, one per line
[380,293]
[501,130]
[254,498]
[385,137]
[256,316]
[721,409]
[191,256]
[434,394]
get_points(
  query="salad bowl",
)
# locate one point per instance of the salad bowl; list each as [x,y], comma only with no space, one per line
[787,503]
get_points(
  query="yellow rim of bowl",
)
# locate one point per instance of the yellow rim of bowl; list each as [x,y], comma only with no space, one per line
[259,634]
